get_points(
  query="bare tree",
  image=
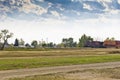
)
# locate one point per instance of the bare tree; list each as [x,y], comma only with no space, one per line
[4,36]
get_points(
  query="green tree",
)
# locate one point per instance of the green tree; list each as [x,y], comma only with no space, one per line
[44,45]
[51,45]
[21,42]
[4,36]
[107,39]
[0,36]
[110,39]
[64,42]
[0,40]
[34,43]
[84,39]
[16,42]
[74,44]
[68,42]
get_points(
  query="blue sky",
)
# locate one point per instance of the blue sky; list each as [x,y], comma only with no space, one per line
[56,19]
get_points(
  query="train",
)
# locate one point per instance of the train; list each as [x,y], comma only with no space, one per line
[104,44]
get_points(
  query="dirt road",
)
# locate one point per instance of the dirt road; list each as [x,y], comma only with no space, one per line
[48,70]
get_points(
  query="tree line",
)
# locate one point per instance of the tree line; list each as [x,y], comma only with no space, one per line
[65,42]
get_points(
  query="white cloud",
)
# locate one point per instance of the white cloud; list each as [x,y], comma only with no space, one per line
[29,7]
[49,5]
[55,13]
[76,12]
[119,1]
[105,1]
[105,4]
[26,7]
[52,22]
[4,9]
[112,11]
[41,0]
[62,9]
[86,6]
[102,20]
[2,17]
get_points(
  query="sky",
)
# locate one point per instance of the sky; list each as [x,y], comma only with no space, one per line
[52,20]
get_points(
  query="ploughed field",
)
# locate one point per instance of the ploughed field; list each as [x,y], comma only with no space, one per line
[10,60]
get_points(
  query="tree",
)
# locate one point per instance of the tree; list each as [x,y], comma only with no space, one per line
[64,42]
[16,42]
[4,36]
[44,45]
[110,39]
[0,36]
[84,39]
[21,42]
[0,40]
[107,39]
[50,45]
[74,44]
[68,42]
[34,43]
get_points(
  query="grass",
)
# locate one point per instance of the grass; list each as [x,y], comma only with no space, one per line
[26,49]
[58,57]
[58,52]
[44,77]
[109,73]
[8,64]
[18,59]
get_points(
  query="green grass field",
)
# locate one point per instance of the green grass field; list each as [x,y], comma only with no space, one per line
[35,62]
[34,59]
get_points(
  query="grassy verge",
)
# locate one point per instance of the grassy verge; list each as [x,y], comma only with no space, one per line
[7,64]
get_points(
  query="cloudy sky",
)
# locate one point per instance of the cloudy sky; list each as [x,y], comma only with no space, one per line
[53,20]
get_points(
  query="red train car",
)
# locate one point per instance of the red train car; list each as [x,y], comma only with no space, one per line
[117,44]
[110,44]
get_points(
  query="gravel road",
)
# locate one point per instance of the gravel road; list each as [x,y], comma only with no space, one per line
[4,75]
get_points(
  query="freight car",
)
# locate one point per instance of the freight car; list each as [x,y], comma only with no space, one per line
[117,44]
[105,44]
[111,44]
[94,44]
